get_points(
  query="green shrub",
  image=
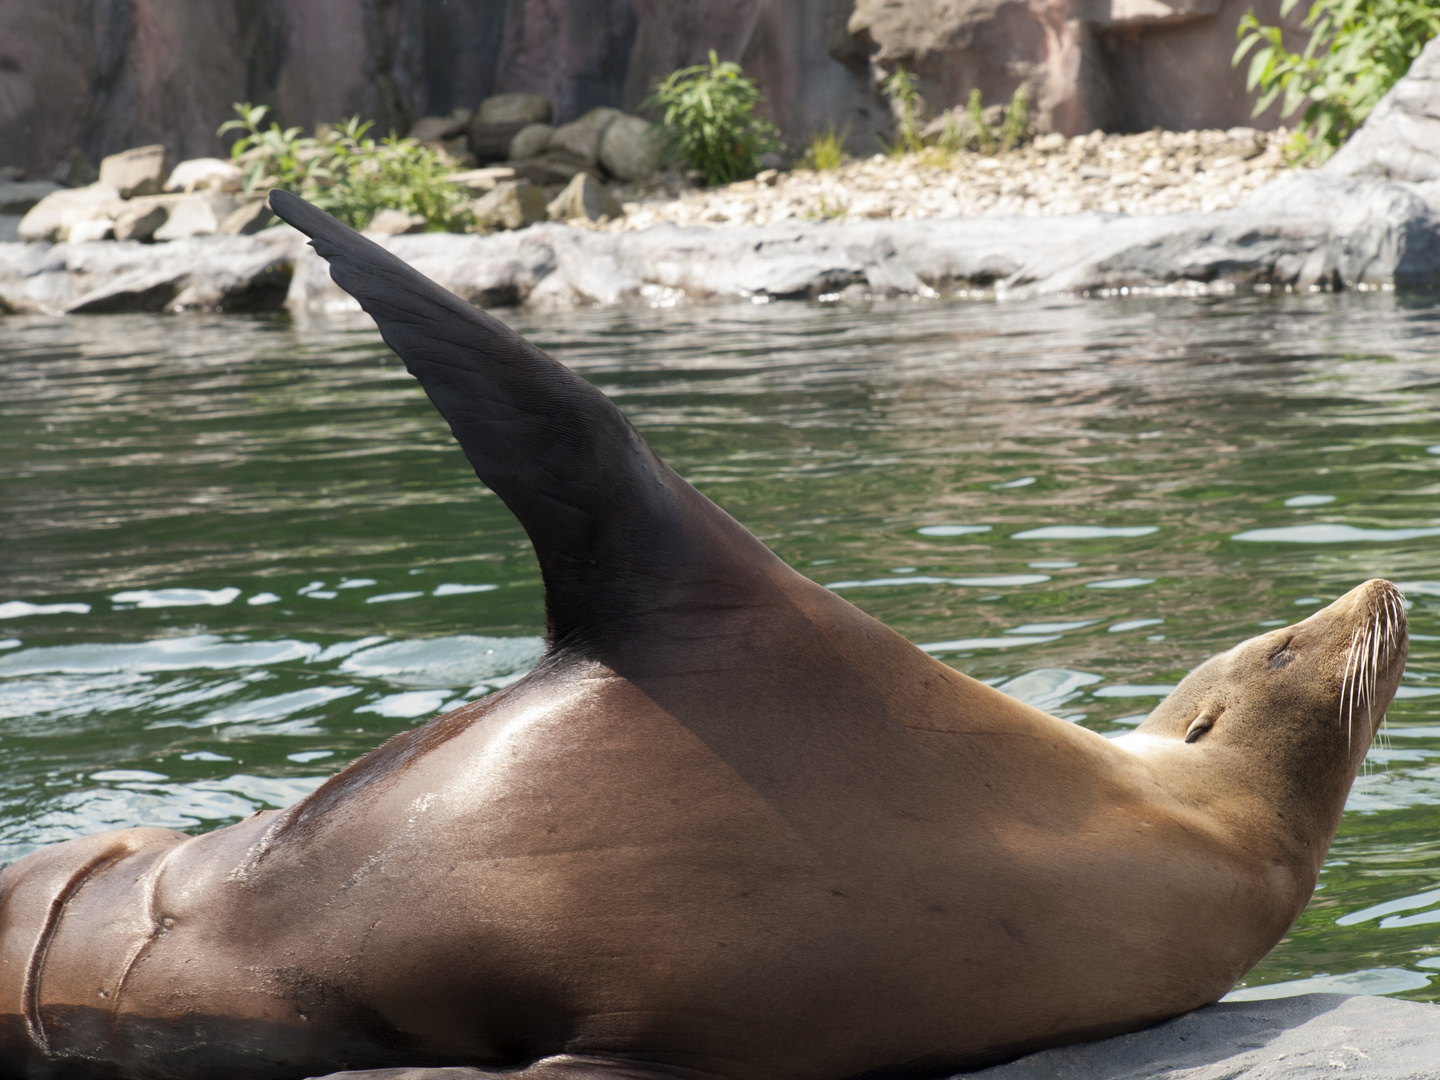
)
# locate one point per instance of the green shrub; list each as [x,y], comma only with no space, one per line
[827,150]
[1356,51]
[343,171]
[1015,127]
[709,121]
[905,102]
[983,137]
[960,129]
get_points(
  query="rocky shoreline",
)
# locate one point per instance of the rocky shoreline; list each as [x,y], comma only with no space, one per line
[1205,212]
[1311,231]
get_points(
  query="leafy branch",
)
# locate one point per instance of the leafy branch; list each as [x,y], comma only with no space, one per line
[1356,51]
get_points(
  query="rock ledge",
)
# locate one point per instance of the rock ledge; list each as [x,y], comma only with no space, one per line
[1296,1038]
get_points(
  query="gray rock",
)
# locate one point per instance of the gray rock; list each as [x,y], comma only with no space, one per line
[584,197]
[630,149]
[89,230]
[1298,1038]
[482,180]
[139,222]
[600,119]
[530,141]
[512,205]
[57,210]
[577,140]
[499,270]
[214,173]
[247,220]
[491,142]
[18,196]
[514,109]
[9,228]
[139,171]
[1400,139]
[581,138]
[551,167]
[390,222]
[198,214]
[231,273]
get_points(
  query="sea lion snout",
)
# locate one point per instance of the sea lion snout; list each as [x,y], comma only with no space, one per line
[1370,623]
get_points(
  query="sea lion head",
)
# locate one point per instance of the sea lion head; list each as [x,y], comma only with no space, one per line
[1271,733]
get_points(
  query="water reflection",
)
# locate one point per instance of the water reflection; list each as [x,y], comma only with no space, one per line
[241,552]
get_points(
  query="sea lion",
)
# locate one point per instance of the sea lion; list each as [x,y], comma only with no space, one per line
[730,827]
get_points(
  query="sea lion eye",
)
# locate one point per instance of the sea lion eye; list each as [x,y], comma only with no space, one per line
[1201,724]
[1281,655]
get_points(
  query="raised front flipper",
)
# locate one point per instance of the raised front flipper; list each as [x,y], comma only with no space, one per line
[616,531]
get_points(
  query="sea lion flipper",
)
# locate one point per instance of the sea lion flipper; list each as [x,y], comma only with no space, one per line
[600,507]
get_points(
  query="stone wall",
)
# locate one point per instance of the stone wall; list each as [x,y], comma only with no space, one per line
[104,75]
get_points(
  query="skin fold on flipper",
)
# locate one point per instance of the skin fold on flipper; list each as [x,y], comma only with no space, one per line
[729,827]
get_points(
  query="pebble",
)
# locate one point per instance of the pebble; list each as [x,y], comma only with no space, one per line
[1154,172]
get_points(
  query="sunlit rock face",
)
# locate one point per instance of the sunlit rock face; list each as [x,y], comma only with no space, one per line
[1124,65]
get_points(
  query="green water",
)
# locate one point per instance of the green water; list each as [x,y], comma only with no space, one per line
[239,552]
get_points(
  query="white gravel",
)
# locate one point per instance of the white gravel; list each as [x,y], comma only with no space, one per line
[1156,172]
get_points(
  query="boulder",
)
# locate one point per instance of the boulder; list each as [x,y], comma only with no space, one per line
[216,174]
[512,205]
[233,273]
[140,220]
[577,140]
[18,196]
[584,197]
[140,171]
[551,167]
[600,119]
[530,141]
[481,180]
[514,109]
[491,142]
[581,138]
[58,209]
[248,219]
[89,230]
[198,214]
[1400,139]
[630,148]
[390,222]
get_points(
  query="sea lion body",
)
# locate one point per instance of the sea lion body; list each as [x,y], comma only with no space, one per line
[729,827]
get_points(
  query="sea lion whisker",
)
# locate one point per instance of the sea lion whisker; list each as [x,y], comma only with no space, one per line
[1347,700]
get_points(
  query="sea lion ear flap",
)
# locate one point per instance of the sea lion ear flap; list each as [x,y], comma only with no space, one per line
[596,501]
[1200,725]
